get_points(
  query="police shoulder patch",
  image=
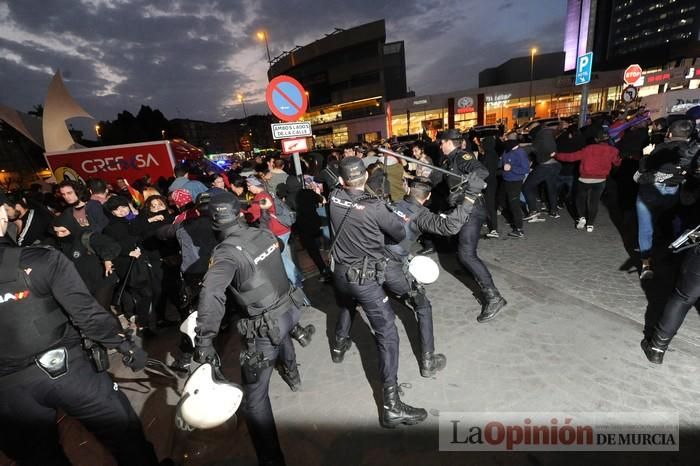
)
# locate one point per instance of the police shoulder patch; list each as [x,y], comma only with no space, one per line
[467,156]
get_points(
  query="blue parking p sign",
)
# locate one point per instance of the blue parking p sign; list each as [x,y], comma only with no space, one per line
[584,65]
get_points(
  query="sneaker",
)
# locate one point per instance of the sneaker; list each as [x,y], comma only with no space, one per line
[530,216]
[589,228]
[517,233]
[535,218]
[647,273]
[554,214]
[492,234]
[581,223]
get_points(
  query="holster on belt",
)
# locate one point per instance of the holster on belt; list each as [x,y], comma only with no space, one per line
[252,362]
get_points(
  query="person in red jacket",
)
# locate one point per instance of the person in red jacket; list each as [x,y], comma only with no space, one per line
[262,210]
[596,162]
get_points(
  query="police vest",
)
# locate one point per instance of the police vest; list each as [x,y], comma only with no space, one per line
[29,324]
[269,287]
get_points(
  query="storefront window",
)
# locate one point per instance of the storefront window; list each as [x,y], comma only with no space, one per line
[340,135]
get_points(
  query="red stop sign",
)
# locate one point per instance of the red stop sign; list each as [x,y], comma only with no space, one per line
[632,74]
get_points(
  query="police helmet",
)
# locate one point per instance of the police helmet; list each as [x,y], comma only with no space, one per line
[352,168]
[424,270]
[207,400]
[223,210]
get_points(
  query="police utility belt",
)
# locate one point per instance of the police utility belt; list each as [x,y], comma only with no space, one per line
[265,324]
[363,271]
[54,363]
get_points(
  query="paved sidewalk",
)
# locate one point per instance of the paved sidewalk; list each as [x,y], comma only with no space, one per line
[567,341]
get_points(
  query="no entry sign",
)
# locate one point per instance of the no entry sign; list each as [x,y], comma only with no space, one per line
[286,98]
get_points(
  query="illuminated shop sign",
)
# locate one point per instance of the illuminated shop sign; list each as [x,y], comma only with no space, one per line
[465,105]
[498,99]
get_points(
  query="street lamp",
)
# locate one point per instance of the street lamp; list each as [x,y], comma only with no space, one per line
[262,35]
[97,131]
[240,99]
[533,51]
[162,134]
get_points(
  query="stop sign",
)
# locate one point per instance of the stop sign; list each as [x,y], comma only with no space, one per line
[632,74]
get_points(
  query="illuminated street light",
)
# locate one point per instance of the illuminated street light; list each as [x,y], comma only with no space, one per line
[97,131]
[240,99]
[262,35]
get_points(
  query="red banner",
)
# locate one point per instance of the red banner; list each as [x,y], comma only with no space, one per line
[129,161]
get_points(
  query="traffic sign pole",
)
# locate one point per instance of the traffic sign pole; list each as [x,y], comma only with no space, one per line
[297,168]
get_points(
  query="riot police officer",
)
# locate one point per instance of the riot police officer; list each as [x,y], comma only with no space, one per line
[684,296]
[360,223]
[465,163]
[248,263]
[43,367]
[418,219]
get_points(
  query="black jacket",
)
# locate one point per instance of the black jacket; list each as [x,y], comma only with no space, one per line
[52,274]
[368,221]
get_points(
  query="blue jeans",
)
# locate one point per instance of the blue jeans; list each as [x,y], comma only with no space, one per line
[289,266]
[653,201]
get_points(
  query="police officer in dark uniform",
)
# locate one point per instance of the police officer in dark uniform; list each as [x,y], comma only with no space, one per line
[465,163]
[43,367]
[418,219]
[248,263]
[360,223]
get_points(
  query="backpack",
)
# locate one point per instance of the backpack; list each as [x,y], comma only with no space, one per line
[283,213]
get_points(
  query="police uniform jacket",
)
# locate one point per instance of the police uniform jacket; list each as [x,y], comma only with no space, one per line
[369,220]
[248,262]
[463,163]
[36,307]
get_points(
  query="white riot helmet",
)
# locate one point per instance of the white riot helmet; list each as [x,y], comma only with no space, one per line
[188,325]
[424,270]
[207,402]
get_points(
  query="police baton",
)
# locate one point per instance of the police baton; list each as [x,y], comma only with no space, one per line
[126,279]
[416,161]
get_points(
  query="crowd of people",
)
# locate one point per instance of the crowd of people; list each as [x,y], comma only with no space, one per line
[143,248]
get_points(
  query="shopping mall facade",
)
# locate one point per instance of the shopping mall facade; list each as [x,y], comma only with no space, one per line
[356,82]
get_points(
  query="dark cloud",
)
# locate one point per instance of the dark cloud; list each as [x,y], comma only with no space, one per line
[190,59]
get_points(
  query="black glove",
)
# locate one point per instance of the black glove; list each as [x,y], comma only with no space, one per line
[456,198]
[207,354]
[133,356]
[474,183]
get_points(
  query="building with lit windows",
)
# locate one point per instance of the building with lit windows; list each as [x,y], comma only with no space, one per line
[507,103]
[349,75]
[647,32]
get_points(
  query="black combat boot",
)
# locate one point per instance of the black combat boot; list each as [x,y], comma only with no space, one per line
[430,363]
[290,376]
[302,334]
[492,303]
[181,365]
[397,412]
[655,348]
[341,345]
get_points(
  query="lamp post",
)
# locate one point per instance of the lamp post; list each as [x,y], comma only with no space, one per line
[262,35]
[240,99]
[97,131]
[533,51]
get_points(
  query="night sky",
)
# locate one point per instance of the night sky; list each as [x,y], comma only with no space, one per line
[190,58]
